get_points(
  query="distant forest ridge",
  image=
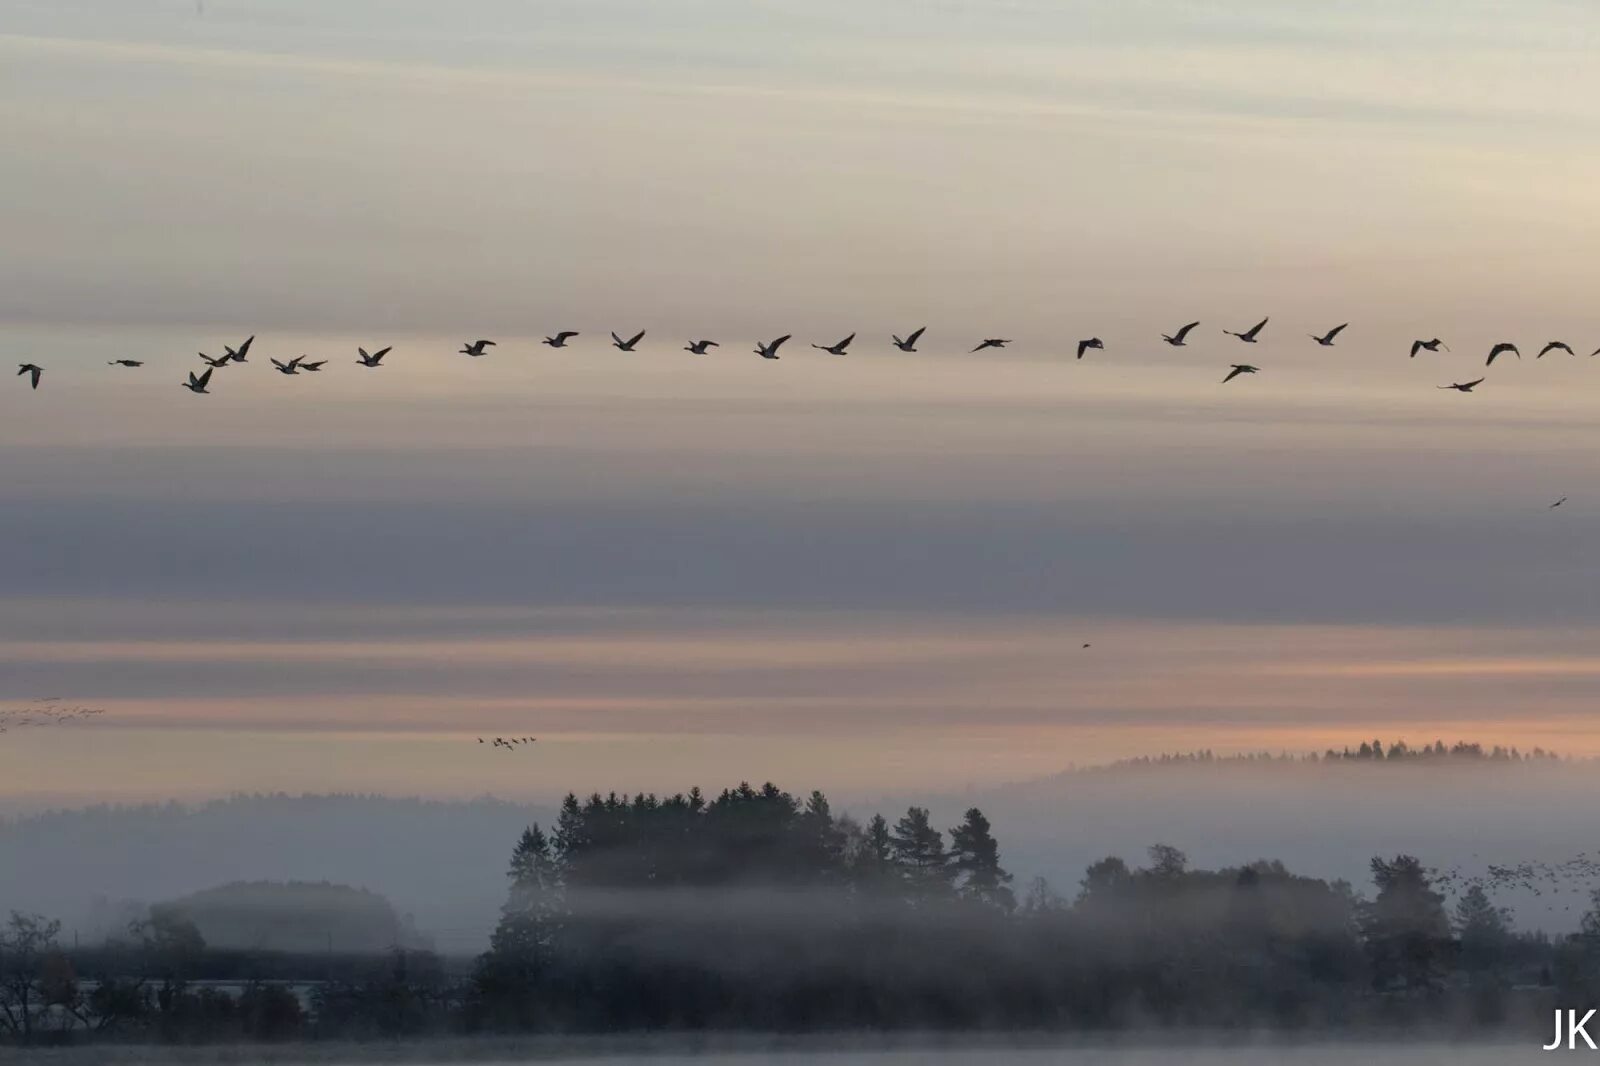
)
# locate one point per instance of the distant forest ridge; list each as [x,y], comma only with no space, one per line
[1398,751]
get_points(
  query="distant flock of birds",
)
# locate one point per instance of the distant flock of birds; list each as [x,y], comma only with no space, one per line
[1577,874]
[46,711]
[512,743]
[200,382]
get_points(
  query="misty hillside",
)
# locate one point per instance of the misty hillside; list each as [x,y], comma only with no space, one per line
[442,864]
[294,916]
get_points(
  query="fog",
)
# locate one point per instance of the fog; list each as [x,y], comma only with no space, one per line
[443,863]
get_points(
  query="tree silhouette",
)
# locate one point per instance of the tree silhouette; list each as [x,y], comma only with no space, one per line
[1406,929]
[975,856]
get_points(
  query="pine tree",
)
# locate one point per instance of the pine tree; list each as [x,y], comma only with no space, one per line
[1485,930]
[975,855]
[1406,930]
[919,853]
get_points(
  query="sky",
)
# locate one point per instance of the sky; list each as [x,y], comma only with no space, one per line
[871,572]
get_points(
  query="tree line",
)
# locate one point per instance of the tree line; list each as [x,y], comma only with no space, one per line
[759,910]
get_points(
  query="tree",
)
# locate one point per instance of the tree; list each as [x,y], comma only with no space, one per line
[1484,929]
[1405,927]
[1167,861]
[975,856]
[27,943]
[919,853]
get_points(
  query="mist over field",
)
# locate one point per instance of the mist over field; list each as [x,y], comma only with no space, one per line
[443,863]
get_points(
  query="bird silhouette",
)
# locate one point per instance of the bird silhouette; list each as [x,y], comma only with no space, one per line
[126,362]
[476,348]
[1177,339]
[291,367]
[770,351]
[311,366]
[1555,346]
[560,339]
[699,347]
[836,349]
[1093,342]
[991,342]
[1249,336]
[371,360]
[1464,386]
[32,370]
[244,349]
[909,343]
[219,361]
[1558,503]
[626,345]
[1239,368]
[198,384]
[1427,346]
[1326,340]
[1499,350]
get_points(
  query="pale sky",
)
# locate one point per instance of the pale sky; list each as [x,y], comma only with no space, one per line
[860,572]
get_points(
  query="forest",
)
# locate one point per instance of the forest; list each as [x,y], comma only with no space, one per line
[760,910]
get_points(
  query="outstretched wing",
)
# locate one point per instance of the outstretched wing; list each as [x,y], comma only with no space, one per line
[912,339]
[1184,332]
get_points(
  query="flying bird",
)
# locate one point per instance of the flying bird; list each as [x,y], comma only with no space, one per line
[476,348]
[1093,342]
[291,367]
[1500,349]
[1326,340]
[243,350]
[219,361]
[1558,503]
[126,362]
[990,342]
[198,385]
[835,349]
[699,347]
[1427,346]
[1249,336]
[770,351]
[909,343]
[31,369]
[626,345]
[371,360]
[1239,368]
[1464,386]
[1177,339]
[314,366]
[1555,346]
[560,339]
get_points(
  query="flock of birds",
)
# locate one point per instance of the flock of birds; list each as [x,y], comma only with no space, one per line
[1577,875]
[511,744]
[46,711]
[199,383]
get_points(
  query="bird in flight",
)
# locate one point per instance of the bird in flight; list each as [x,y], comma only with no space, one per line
[1093,342]
[1558,503]
[909,343]
[314,366]
[770,351]
[1249,336]
[198,385]
[31,369]
[1500,349]
[126,362]
[476,348]
[1239,368]
[699,347]
[219,361]
[291,367]
[1177,339]
[1464,386]
[1326,340]
[560,339]
[1555,346]
[371,360]
[990,342]
[243,350]
[835,349]
[1086,645]
[1427,346]
[626,345]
